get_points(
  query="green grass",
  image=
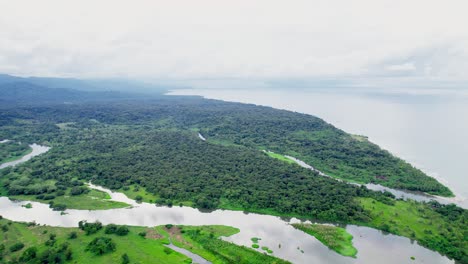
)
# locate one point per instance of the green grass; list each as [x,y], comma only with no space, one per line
[204,241]
[135,190]
[335,238]
[417,221]
[201,240]
[139,249]
[94,200]
[18,156]
[255,239]
[280,157]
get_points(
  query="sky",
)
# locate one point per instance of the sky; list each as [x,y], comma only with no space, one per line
[368,40]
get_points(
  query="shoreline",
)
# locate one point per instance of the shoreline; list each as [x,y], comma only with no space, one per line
[455,197]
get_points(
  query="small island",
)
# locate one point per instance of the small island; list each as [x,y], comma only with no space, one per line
[335,238]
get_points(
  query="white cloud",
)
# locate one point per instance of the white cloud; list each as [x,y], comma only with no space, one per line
[408,66]
[243,38]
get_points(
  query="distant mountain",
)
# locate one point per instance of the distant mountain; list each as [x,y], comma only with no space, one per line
[123,85]
[25,92]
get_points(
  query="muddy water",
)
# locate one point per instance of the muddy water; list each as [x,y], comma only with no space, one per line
[275,233]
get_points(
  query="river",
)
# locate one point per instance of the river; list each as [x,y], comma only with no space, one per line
[373,246]
[426,127]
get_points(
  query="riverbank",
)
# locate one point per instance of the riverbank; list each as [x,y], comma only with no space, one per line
[90,200]
[29,242]
[335,238]
[418,143]
[11,151]
[147,208]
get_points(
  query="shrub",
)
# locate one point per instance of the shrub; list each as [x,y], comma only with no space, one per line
[101,245]
[111,229]
[29,254]
[125,259]
[72,235]
[139,198]
[58,207]
[122,231]
[77,190]
[90,228]
[17,246]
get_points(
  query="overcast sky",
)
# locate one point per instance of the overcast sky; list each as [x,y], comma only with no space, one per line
[395,39]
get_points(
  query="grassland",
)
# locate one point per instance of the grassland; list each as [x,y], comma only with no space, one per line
[204,242]
[141,245]
[138,249]
[280,157]
[93,200]
[446,234]
[135,191]
[335,238]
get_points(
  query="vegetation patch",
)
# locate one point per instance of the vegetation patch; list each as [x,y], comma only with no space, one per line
[255,239]
[11,150]
[433,225]
[29,243]
[27,206]
[280,157]
[335,238]
[205,242]
[89,200]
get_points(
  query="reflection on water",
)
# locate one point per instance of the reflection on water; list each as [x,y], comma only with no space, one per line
[276,233]
[36,150]
[399,194]
[425,128]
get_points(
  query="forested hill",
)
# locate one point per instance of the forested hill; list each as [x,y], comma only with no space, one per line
[116,85]
[29,94]
[299,135]
[151,147]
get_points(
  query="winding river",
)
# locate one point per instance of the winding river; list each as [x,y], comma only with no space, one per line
[400,194]
[276,233]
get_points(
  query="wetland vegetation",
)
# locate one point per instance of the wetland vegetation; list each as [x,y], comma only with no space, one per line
[150,150]
[335,238]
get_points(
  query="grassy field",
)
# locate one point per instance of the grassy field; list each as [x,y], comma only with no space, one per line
[335,238]
[138,248]
[93,200]
[280,157]
[417,221]
[141,245]
[133,191]
[204,242]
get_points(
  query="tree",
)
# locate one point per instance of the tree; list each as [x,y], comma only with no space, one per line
[101,245]
[125,259]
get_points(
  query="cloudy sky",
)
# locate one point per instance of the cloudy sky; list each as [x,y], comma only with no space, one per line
[367,39]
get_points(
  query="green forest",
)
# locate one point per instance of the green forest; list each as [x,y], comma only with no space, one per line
[153,145]
[11,150]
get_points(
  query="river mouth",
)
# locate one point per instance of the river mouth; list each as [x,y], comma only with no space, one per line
[276,233]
